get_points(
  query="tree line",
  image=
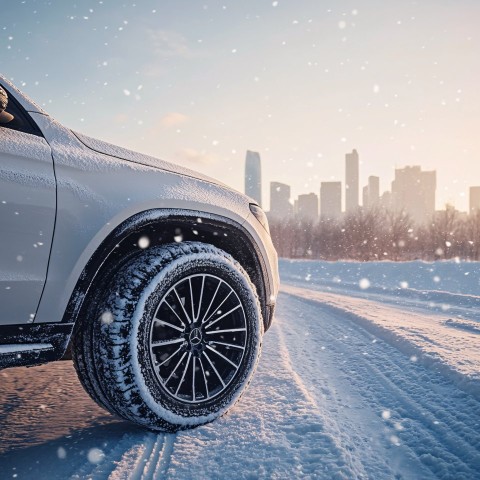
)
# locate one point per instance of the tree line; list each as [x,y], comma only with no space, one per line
[379,234]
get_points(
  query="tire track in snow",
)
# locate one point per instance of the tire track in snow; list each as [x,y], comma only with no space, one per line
[387,379]
[333,429]
[134,458]
[135,461]
[437,346]
[363,444]
[161,459]
[148,459]
[107,462]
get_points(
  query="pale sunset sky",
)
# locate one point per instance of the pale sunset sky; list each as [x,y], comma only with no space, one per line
[301,81]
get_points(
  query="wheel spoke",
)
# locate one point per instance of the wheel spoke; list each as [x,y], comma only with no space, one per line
[227,330]
[176,366]
[223,316]
[215,370]
[160,343]
[181,304]
[228,344]
[201,298]
[168,324]
[170,356]
[193,379]
[216,309]
[211,301]
[191,298]
[223,356]
[176,314]
[184,372]
[204,378]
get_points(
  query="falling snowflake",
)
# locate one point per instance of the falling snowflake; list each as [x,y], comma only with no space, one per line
[95,455]
[364,283]
[143,242]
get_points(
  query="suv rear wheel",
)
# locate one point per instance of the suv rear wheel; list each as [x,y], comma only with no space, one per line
[173,339]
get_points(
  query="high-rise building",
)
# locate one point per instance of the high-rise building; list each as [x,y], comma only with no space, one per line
[474,199]
[280,206]
[386,200]
[413,190]
[253,176]
[351,181]
[306,207]
[365,202]
[371,192]
[330,200]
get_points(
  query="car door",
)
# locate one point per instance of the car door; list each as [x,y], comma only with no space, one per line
[27,215]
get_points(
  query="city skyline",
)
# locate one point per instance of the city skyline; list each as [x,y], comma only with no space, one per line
[374,182]
[412,190]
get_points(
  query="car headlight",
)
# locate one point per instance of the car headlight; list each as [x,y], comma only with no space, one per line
[260,216]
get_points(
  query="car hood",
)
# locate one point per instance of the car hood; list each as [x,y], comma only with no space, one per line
[142,159]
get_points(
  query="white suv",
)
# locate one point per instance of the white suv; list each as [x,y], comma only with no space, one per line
[158,281]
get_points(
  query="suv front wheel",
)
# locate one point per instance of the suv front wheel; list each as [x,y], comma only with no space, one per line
[173,339]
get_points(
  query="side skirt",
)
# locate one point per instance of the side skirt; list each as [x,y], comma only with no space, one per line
[33,343]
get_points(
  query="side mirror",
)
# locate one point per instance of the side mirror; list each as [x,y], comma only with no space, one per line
[5,117]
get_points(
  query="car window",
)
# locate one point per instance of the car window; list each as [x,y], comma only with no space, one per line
[21,119]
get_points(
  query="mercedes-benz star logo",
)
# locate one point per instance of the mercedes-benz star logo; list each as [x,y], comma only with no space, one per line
[195,336]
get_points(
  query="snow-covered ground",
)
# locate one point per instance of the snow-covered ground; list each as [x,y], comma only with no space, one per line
[362,376]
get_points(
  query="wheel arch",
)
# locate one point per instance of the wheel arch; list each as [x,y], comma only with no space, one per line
[162,226]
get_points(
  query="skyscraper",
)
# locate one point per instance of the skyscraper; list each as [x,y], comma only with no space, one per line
[373,189]
[413,190]
[371,192]
[386,200]
[351,181]
[307,207]
[474,199]
[365,197]
[280,206]
[330,200]
[253,176]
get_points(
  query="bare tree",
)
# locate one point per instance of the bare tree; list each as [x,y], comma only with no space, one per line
[442,232]
[362,233]
[376,234]
[327,240]
[472,239]
[399,231]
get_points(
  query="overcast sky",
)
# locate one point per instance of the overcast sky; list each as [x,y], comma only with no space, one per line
[301,81]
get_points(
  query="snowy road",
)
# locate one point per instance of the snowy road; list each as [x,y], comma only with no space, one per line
[339,393]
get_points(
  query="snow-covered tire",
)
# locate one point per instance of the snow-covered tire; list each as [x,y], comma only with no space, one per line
[155,304]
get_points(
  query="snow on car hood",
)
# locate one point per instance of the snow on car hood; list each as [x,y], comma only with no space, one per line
[142,159]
